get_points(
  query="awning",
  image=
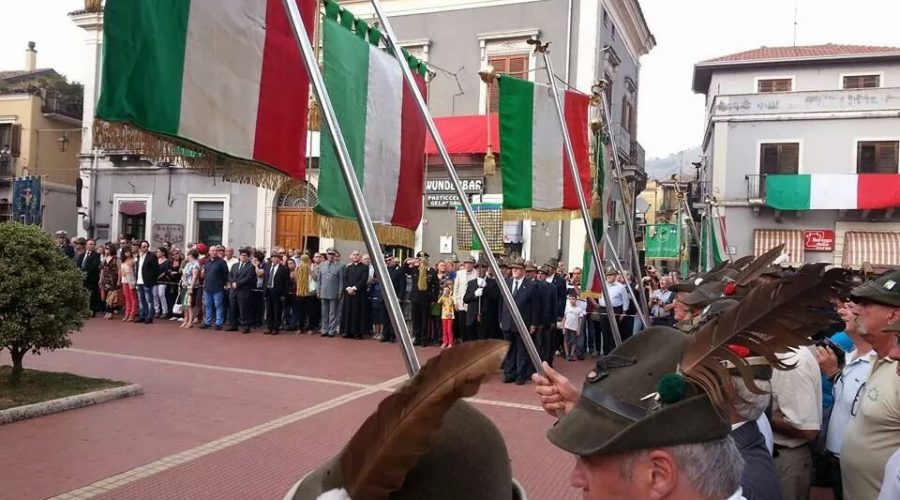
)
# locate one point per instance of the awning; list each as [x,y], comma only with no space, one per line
[765,239]
[465,135]
[132,207]
[880,249]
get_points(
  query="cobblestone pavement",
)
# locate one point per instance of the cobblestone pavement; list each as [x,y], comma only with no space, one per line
[227,416]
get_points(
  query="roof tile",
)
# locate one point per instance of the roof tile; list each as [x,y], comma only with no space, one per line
[803,52]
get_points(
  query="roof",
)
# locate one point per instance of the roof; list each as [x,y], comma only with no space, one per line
[785,56]
[19,75]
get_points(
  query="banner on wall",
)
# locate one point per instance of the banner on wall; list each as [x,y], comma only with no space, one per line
[27,200]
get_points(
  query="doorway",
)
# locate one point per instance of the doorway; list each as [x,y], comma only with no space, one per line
[295,221]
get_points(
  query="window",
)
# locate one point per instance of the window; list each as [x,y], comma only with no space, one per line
[210,216]
[612,32]
[781,158]
[134,226]
[770,85]
[862,81]
[876,157]
[627,116]
[605,18]
[512,65]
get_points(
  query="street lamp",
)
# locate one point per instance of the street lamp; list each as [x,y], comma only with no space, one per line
[63,142]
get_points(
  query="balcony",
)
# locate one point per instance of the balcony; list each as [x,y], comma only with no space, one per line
[622,140]
[819,103]
[638,156]
[756,189]
[6,166]
[62,104]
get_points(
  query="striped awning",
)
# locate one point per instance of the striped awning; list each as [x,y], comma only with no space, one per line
[879,249]
[765,239]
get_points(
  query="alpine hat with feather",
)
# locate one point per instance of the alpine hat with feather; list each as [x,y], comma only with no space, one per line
[423,441]
[664,387]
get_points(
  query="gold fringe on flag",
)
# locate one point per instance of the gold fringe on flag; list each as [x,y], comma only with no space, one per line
[121,136]
[348,229]
[541,215]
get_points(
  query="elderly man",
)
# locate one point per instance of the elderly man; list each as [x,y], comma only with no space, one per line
[874,433]
[62,242]
[464,274]
[331,274]
[890,486]
[628,443]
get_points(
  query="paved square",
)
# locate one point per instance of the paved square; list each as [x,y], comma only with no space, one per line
[233,416]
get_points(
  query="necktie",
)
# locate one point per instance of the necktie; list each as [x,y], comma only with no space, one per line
[272,279]
[240,267]
[85,260]
[515,286]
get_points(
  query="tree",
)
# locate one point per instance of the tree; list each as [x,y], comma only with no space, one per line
[42,297]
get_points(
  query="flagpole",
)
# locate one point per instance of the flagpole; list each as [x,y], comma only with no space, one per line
[356,194]
[629,209]
[544,50]
[618,265]
[390,39]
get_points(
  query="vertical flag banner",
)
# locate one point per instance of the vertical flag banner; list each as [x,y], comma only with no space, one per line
[601,197]
[208,84]
[537,183]
[384,132]
[662,241]
[712,238]
[27,200]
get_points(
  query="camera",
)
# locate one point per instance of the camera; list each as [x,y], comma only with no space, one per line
[836,349]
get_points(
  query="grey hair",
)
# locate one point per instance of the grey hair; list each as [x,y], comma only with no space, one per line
[713,469]
[751,405]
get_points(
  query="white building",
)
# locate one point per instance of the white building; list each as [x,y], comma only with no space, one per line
[801,147]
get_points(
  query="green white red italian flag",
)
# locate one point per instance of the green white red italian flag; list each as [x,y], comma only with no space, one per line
[215,76]
[600,211]
[384,132]
[537,182]
[833,191]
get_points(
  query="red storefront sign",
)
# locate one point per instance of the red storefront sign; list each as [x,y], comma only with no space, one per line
[818,240]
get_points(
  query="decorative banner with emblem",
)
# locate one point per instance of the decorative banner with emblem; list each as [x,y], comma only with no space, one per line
[27,200]
[662,241]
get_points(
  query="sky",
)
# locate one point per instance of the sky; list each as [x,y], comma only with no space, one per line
[670,115]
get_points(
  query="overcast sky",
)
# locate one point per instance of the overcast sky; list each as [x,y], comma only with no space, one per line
[687,31]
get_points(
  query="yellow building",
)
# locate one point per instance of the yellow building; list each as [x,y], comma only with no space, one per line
[40,136]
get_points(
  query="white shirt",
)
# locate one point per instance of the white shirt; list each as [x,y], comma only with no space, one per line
[890,485]
[738,495]
[618,296]
[140,267]
[572,316]
[846,389]
[516,284]
[765,428]
[231,262]
[459,287]
[798,394]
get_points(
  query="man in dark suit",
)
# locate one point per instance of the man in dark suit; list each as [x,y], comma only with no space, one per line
[242,280]
[515,366]
[562,291]
[89,263]
[482,298]
[277,279]
[423,294]
[548,315]
[398,280]
[147,274]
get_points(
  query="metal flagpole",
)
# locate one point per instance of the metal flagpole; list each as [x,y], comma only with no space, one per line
[356,194]
[544,49]
[618,265]
[629,211]
[391,40]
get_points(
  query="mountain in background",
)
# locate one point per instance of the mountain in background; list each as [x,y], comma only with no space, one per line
[675,164]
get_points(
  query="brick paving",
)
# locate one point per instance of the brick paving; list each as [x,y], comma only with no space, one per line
[232,416]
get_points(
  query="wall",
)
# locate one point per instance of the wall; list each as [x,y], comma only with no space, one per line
[826,146]
[58,166]
[807,77]
[170,206]
[59,208]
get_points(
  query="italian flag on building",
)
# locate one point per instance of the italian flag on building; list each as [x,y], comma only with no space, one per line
[833,191]
[208,81]
[384,132]
[537,183]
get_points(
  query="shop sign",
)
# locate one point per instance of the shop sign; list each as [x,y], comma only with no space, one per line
[439,192]
[818,240]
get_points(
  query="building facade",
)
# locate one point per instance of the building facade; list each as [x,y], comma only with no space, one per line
[40,136]
[591,40]
[793,137]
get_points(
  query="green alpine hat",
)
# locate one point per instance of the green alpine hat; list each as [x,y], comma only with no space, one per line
[883,290]
[517,263]
[618,410]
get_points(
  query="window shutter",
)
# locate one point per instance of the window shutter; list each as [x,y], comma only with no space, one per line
[789,159]
[769,158]
[15,140]
[516,66]
[862,81]
[774,85]
[886,157]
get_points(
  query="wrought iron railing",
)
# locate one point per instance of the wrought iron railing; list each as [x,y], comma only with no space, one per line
[756,188]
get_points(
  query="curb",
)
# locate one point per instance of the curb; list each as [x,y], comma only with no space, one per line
[68,403]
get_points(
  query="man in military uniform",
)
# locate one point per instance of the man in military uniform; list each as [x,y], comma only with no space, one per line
[423,294]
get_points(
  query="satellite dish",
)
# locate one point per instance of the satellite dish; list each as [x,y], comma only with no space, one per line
[641,206]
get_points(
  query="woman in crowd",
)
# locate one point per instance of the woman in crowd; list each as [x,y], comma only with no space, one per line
[190,283]
[109,279]
[129,289]
[160,305]
[257,297]
[172,281]
[290,314]
[305,292]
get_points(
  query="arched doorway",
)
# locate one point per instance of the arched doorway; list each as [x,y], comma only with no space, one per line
[294,220]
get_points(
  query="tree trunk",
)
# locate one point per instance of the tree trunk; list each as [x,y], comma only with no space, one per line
[15,376]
